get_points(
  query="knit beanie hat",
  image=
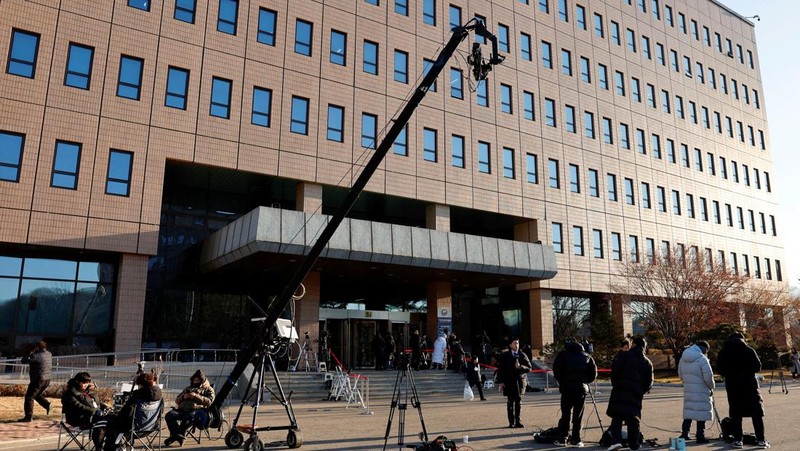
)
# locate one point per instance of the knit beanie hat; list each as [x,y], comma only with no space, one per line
[199,375]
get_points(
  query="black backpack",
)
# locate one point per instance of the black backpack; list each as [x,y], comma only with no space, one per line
[547,436]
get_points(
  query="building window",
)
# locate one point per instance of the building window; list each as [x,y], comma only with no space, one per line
[641,146]
[262,106]
[580,16]
[185,10]
[338,48]
[482,93]
[630,198]
[588,119]
[665,103]
[65,165]
[569,118]
[502,38]
[558,240]
[455,17]
[228,15]
[616,246]
[602,76]
[690,206]
[661,198]
[369,130]
[220,98]
[400,145]
[370,57]
[484,157]
[586,75]
[547,55]
[336,125]
[598,26]
[676,203]
[574,178]
[144,5]
[79,66]
[615,33]
[129,84]
[636,91]
[597,241]
[594,189]
[400,66]
[577,240]
[633,245]
[671,151]
[177,88]
[429,12]
[120,165]
[525,46]
[505,99]
[527,105]
[563,11]
[299,120]
[456,83]
[532,171]
[303,33]
[550,112]
[566,62]
[646,47]
[429,145]
[620,82]
[508,163]
[631,41]
[544,5]
[645,195]
[552,173]
[426,67]
[624,136]
[608,137]
[457,150]
[612,187]
[11,145]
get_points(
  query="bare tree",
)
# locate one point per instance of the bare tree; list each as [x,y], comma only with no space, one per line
[570,317]
[767,308]
[679,294]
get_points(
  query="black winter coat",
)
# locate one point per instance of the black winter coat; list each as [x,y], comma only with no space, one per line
[631,378]
[738,364]
[78,406]
[513,377]
[574,369]
[145,394]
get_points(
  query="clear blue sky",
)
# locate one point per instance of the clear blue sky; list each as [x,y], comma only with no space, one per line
[779,55]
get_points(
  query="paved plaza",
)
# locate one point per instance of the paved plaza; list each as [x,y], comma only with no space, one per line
[327,425]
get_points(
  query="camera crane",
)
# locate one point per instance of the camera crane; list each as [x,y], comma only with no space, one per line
[480,70]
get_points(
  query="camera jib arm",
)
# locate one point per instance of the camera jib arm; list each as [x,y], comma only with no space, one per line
[480,70]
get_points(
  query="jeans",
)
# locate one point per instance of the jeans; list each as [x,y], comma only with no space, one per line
[36,393]
[179,421]
[736,425]
[572,402]
[633,430]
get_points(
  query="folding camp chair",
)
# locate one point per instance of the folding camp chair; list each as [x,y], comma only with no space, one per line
[80,436]
[145,426]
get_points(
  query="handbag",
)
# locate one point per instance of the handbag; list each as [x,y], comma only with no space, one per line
[468,395]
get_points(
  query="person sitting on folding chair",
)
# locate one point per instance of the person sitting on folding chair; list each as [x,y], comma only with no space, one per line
[192,399]
[121,423]
[82,408]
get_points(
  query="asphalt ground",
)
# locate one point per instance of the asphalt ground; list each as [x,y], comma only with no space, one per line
[475,425]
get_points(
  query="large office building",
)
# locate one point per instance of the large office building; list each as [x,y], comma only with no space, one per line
[162,160]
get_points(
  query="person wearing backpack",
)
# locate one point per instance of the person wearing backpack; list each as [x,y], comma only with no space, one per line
[574,369]
[739,364]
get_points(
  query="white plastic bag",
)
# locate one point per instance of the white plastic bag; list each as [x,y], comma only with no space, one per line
[468,395]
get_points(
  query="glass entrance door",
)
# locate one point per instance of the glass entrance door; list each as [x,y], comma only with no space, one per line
[363,331]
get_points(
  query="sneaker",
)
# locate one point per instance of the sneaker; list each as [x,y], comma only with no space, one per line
[577,445]
[24,420]
[519,425]
[684,436]
[737,444]
[763,444]
[615,446]
[560,442]
[701,439]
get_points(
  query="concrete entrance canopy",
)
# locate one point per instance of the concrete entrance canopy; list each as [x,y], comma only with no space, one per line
[292,233]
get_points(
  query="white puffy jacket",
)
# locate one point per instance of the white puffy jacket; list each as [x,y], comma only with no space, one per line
[698,381]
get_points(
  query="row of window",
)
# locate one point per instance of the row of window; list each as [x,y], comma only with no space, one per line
[708,259]
[66,164]
[714,79]
[593,184]
[599,29]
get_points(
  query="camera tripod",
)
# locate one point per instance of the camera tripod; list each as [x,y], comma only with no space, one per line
[400,400]
[305,352]
[782,378]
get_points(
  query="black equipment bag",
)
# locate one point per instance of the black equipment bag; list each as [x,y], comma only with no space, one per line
[547,436]
[727,430]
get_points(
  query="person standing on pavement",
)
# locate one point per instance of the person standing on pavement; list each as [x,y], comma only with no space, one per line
[473,374]
[795,363]
[695,371]
[439,350]
[378,346]
[416,350]
[574,369]
[512,372]
[41,367]
[631,378]
[738,364]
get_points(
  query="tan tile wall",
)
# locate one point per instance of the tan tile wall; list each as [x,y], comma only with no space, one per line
[45,110]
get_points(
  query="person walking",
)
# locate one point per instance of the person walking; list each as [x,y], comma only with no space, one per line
[457,354]
[574,369]
[41,367]
[738,364]
[473,374]
[439,349]
[631,378]
[389,351]
[795,363]
[695,371]
[512,372]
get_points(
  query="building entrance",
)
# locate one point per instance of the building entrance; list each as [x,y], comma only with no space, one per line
[352,331]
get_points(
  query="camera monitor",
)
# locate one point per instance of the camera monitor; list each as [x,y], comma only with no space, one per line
[285,329]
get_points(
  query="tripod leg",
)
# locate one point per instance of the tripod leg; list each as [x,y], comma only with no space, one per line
[415,402]
[392,408]
[594,403]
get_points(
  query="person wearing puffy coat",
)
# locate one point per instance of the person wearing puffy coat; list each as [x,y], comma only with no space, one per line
[439,347]
[695,371]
